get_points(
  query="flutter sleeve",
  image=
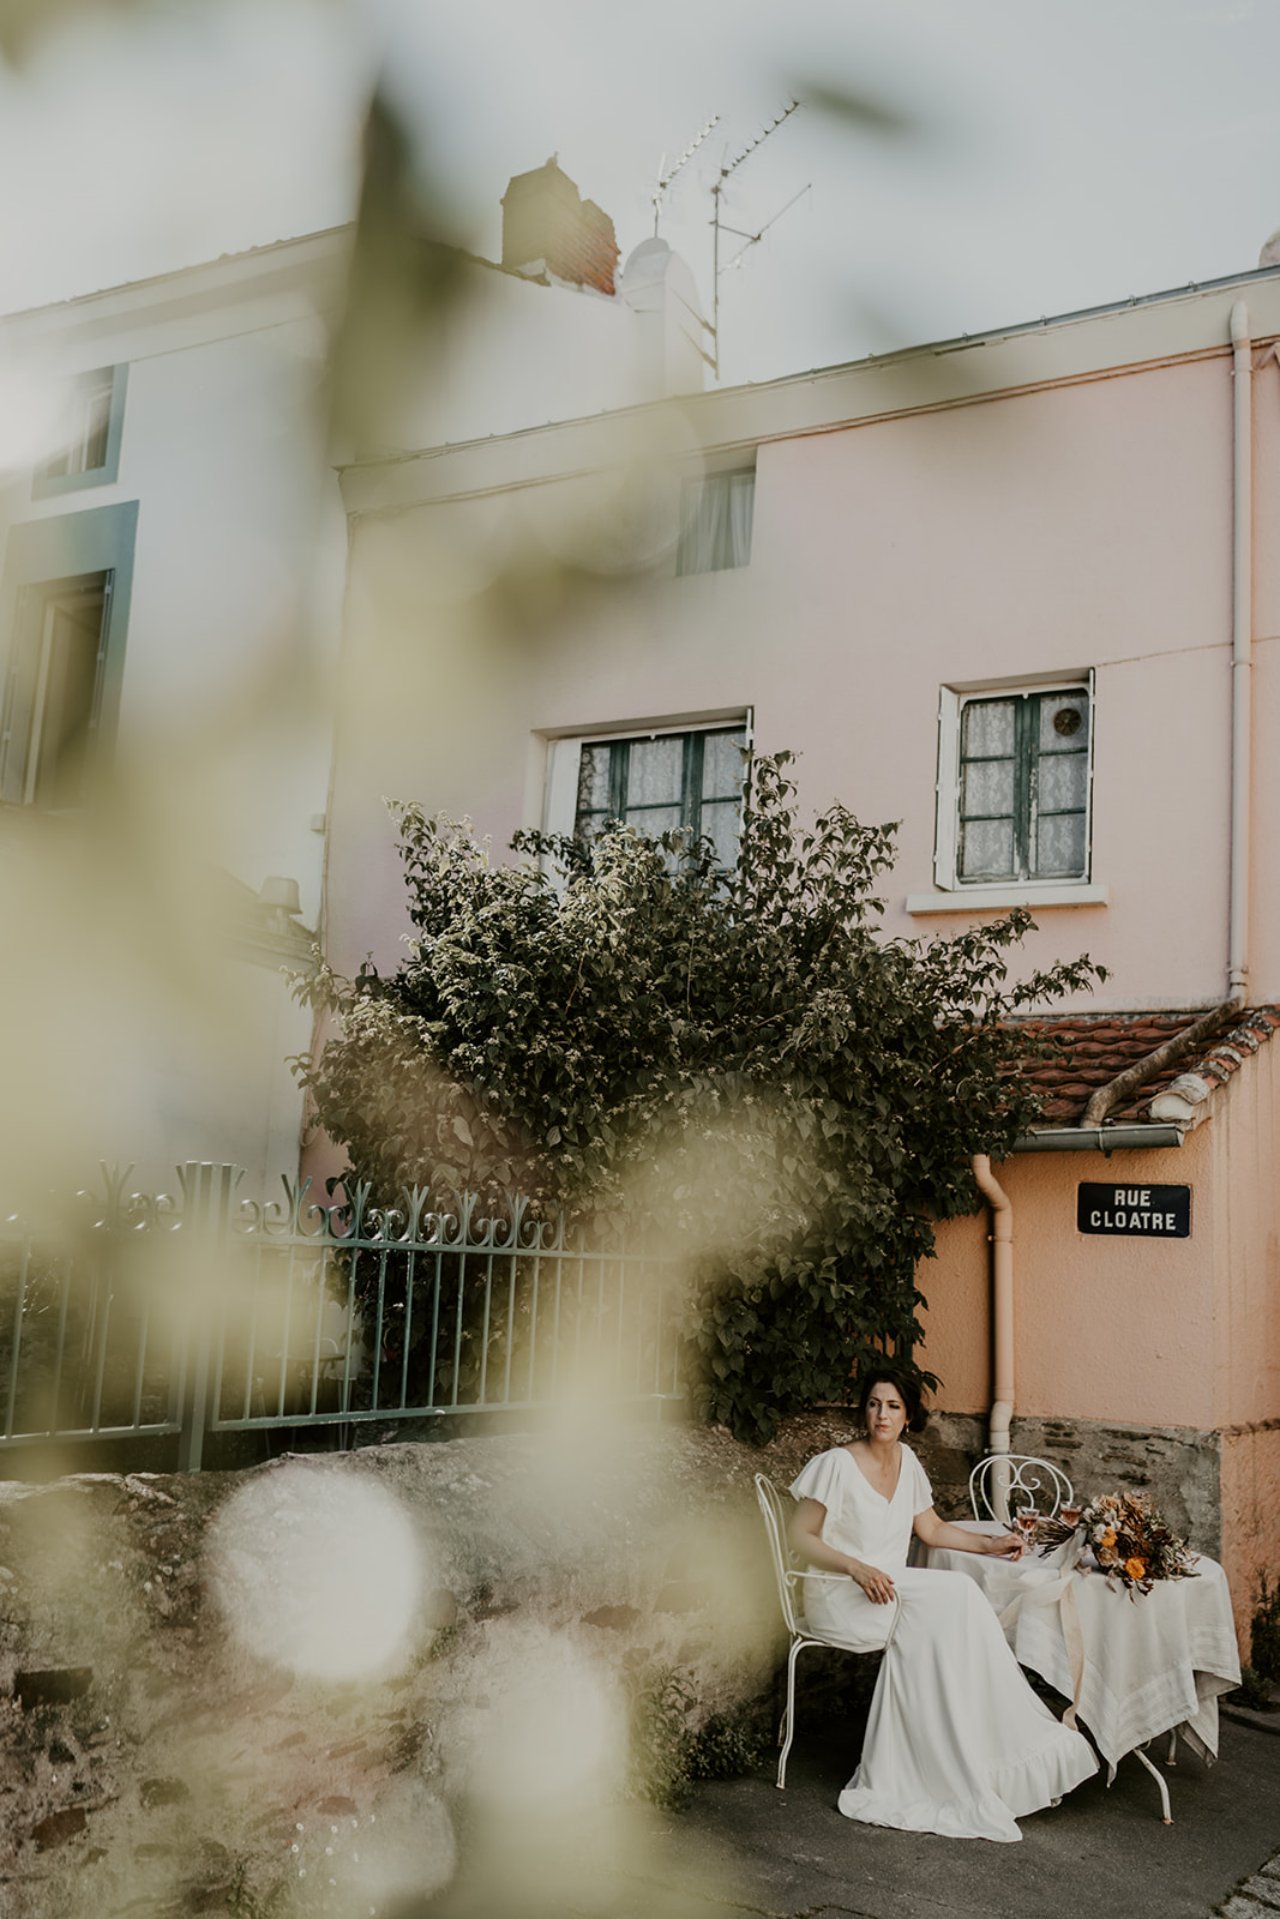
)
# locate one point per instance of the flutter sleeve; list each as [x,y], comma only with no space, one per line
[819,1480]
[921,1490]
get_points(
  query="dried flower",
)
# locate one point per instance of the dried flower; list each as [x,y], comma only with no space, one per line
[1132,1544]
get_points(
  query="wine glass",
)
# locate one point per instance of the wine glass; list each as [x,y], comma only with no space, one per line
[1026,1519]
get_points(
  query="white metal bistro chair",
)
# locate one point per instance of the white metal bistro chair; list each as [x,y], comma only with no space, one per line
[1004,1484]
[790,1576]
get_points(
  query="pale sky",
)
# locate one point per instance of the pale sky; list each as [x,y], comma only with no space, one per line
[1065,155]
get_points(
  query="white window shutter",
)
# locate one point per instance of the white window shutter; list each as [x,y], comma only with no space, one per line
[944,843]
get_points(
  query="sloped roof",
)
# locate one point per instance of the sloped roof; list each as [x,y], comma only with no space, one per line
[1079,1052]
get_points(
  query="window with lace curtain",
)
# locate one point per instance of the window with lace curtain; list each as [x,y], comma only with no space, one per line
[716,512]
[657,781]
[1015,767]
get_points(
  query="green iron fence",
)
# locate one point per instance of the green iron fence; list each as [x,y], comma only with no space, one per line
[203,1313]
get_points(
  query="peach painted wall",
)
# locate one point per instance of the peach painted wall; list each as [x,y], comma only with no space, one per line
[1106,1329]
[957,1322]
[1250,1526]
[1244,1135]
[1245,1139]
[1083,526]
[1141,1332]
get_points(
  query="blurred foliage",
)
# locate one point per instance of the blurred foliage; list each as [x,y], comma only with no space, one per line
[735,1061]
[409,272]
[25,22]
[858,109]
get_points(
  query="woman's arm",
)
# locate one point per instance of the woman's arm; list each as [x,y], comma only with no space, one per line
[812,1548]
[932,1531]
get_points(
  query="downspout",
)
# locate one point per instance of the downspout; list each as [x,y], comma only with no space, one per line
[1001,1301]
[1241,653]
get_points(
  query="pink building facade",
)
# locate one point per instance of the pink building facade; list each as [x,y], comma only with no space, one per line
[1018,592]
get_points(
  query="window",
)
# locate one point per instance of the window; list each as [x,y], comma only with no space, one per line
[64,617]
[656,782]
[716,513]
[1014,786]
[91,456]
[53,696]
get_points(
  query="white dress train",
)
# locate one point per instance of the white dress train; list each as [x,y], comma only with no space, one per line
[957,1743]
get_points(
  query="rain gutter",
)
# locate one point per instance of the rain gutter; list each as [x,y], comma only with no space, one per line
[1097,1139]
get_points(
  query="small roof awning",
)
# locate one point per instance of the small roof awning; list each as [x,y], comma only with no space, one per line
[1075,1054]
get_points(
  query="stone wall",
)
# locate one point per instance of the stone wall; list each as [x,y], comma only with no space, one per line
[184,1727]
[1178,1466]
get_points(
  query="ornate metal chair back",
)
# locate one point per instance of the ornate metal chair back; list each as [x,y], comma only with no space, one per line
[1005,1484]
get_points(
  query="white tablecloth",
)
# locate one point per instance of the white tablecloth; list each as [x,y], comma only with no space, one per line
[1150,1664]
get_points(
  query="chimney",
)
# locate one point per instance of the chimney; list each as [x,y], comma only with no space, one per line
[546,221]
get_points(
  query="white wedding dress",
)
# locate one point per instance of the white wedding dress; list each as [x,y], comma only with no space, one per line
[957,1743]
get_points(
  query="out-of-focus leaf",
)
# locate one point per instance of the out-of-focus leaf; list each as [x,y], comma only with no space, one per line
[864,111]
[409,272]
[24,22]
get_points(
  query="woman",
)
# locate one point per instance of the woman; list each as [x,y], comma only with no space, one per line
[957,1742]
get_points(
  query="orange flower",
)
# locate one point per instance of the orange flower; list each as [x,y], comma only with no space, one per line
[1108,1538]
[1136,1568]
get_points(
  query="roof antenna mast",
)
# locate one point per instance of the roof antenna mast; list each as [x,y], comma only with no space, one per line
[667,174]
[719,225]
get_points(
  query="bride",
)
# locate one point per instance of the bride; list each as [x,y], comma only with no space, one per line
[957,1742]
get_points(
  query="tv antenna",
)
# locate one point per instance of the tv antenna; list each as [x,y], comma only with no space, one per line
[667,174]
[749,239]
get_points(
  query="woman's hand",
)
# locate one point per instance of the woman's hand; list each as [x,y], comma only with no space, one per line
[876,1585]
[1002,1546]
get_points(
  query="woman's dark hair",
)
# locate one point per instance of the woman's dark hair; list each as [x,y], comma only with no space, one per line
[907,1388]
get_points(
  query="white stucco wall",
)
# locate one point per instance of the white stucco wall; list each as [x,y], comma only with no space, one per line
[223,737]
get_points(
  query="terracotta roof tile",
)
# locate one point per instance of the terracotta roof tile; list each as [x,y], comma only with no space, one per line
[1077,1053]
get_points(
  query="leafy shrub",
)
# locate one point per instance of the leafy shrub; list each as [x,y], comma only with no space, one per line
[1265,1640]
[740,1062]
[669,1752]
[1253,1691]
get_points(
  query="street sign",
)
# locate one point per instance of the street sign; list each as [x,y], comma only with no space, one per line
[1139,1212]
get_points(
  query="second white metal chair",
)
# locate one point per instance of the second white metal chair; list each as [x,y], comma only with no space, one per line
[1009,1483]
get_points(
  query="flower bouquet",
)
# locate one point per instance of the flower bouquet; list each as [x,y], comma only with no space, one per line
[1124,1537]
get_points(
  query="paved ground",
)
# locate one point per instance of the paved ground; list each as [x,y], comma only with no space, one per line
[743,1848]
[753,1849]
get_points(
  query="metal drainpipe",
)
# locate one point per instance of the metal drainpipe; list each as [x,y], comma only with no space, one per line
[1241,653]
[1001,1300]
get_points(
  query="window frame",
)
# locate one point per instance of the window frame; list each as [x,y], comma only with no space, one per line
[714,473]
[564,755]
[951,705]
[46,485]
[31,637]
[42,555]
